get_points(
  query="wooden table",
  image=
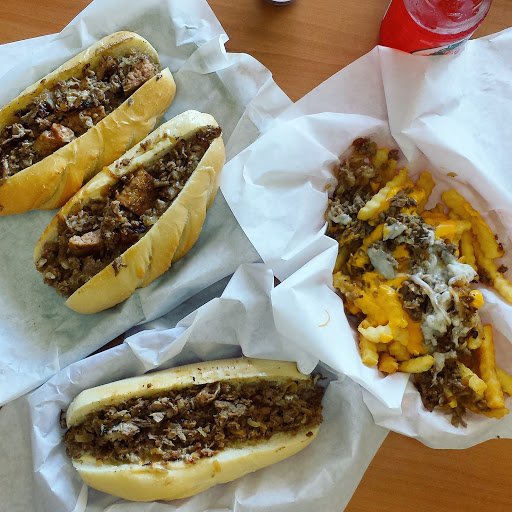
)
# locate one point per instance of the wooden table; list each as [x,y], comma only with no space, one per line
[303,44]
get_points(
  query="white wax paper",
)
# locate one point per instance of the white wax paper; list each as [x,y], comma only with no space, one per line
[40,477]
[446,114]
[38,334]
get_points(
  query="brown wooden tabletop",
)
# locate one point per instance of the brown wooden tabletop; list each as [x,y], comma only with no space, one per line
[303,44]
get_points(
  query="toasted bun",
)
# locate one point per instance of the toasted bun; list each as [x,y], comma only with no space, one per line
[178,480]
[174,480]
[170,238]
[50,182]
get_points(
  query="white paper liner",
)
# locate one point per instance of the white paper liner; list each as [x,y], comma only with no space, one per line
[448,114]
[38,334]
[39,475]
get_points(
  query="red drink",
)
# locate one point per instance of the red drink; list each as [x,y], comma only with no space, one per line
[431,27]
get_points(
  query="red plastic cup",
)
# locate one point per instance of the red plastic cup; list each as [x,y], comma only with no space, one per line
[431,27]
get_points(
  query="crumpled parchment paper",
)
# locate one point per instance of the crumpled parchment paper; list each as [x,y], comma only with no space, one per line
[445,114]
[38,334]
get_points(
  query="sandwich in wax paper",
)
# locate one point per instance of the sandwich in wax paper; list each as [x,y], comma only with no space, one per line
[240,323]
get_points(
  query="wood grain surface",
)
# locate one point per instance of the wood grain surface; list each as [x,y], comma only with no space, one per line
[303,44]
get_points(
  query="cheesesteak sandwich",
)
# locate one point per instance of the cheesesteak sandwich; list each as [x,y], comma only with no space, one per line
[62,130]
[175,433]
[136,217]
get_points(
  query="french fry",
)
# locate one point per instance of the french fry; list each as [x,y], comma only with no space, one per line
[341,259]
[416,365]
[505,381]
[502,285]
[379,334]
[378,203]
[380,158]
[464,239]
[463,226]
[434,218]
[497,413]
[438,208]
[450,398]
[387,364]
[386,165]
[425,182]
[466,249]
[351,307]
[342,282]
[415,338]
[475,343]
[471,379]
[493,393]
[492,413]
[401,336]
[482,231]
[399,351]
[447,230]
[369,354]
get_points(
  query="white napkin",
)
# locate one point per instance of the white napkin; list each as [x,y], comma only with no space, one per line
[40,477]
[446,114]
[38,334]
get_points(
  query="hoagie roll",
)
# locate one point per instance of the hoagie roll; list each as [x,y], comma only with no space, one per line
[62,130]
[175,433]
[136,217]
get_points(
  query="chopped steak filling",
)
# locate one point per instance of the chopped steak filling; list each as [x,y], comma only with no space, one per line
[435,292]
[195,422]
[95,236]
[67,110]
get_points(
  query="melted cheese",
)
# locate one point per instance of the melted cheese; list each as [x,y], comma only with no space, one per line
[380,302]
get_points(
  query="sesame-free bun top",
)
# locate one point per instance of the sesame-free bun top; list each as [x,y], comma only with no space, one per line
[49,183]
